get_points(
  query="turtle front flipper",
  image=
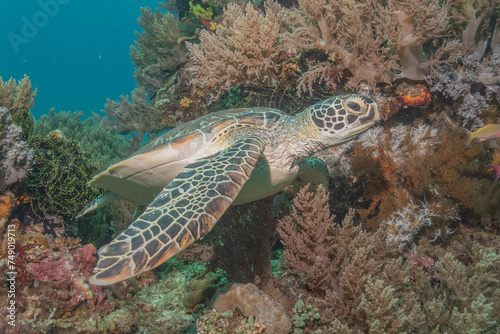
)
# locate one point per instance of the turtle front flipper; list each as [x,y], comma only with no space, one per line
[312,171]
[183,212]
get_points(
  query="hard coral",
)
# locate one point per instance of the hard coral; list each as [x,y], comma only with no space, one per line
[17,96]
[253,303]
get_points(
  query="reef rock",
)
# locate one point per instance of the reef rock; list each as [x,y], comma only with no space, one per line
[253,302]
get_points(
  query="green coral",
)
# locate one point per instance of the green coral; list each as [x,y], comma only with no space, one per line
[119,321]
[26,121]
[249,326]
[277,256]
[92,228]
[201,289]
[105,147]
[201,12]
[164,301]
[304,314]
[58,181]
[213,322]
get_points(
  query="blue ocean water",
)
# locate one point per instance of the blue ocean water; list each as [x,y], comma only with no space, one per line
[75,52]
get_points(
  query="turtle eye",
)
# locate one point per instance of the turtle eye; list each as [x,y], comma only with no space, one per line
[353,106]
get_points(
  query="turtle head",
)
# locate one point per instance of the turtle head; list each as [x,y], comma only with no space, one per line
[344,117]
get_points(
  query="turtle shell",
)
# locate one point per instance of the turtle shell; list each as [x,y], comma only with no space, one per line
[144,174]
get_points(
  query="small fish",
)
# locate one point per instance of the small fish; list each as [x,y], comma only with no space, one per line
[496,168]
[490,131]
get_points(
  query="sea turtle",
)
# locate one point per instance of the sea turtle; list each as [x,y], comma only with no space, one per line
[189,176]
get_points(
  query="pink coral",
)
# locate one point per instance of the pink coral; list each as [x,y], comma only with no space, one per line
[244,49]
[60,267]
[68,272]
[86,258]
[373,40]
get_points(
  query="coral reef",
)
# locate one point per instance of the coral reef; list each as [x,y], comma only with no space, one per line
[419,178]
[201,289]
[7,201]
[15,155]
[157,54]
[69,267]
[367,287]
[335,261]
[417,250]
[17,96]
[160,55]
[137,115]
[244,49]
[53,291]
[213,322]
[58,182]
[252,302]
[104,148]
[305,314]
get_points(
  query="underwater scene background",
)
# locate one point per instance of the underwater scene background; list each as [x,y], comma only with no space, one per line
[403,238]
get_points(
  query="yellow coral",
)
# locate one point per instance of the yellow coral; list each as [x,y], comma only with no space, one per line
[186,101]
[200,12]
[214,25]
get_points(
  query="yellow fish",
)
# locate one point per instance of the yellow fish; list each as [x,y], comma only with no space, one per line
[490,131]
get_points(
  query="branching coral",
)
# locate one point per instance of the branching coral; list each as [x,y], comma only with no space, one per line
[469,87]
[336,261]
[410,24]
[421,179]
[343,30]
[137,115]
[244,49]
[17,96]
[372,289]
[157,54]
[374,41]
[160,55]
[105,148]
[467,296]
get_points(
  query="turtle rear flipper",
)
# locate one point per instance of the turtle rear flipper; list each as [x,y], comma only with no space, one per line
[100,201]
[183,212]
